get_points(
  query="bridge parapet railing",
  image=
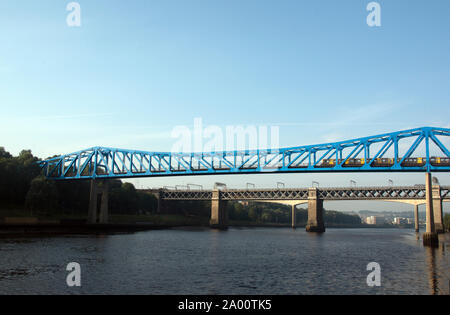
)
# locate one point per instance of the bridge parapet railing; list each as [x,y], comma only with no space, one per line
[186,195]
[269,194]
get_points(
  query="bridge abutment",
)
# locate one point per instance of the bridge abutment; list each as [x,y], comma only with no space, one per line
[430,237]
[315,212]
[98,202]
[437,209]
[219,214]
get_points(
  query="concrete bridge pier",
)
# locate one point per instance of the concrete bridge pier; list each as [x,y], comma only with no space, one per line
[219,213]
[293,216]
[430,237]
[416,218]
[159,195]
[315,212]
[437,209]
[98,202]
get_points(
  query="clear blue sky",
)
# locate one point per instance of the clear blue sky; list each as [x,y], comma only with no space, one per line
[136,69]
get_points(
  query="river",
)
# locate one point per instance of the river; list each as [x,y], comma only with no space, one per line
[236,261]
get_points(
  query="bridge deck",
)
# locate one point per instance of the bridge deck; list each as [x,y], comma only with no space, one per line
[337,193]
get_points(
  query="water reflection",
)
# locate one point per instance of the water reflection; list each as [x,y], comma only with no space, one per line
[432,274]
[438,279]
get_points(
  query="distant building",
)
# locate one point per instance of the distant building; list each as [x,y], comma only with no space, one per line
[373,220]
[399,220]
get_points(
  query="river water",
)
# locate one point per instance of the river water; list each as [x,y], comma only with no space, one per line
[236,261]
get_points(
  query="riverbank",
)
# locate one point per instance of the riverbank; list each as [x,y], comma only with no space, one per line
[20,223]
[78,228]
[16,230]
[12,226]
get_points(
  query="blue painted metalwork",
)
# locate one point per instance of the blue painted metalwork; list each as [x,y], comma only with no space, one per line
[345,156]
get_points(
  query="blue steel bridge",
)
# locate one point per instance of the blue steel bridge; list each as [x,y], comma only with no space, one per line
[415,150]
[390,152]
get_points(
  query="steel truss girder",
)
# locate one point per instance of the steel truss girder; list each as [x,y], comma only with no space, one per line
[102,162]
[359,193]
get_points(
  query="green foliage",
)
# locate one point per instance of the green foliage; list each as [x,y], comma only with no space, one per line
[4,154]
[125,199]
[258,212]
[447,220]
[236,212]
[280,214]
[16,174]
[337,218]
[42,196]
[22,186]
[147,202]
[73,196]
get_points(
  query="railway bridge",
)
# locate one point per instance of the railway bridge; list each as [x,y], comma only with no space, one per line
[421,150]
[314,197]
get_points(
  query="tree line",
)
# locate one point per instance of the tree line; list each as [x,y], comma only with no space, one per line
[22,186]
[281,214]
[258,213]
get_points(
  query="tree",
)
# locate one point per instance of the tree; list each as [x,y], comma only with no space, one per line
[147,202]
[16,174]
[447,221]
[42,196]
[4,154]
[253,214]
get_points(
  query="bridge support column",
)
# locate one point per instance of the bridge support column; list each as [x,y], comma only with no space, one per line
[98,202]
[315,212]
[430,237]
[293,216]
[219,215]
[437,209]
[160,196]
[416,218]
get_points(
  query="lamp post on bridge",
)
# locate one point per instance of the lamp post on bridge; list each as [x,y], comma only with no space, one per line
[391,182]
[218,185]
[352,183]
[280,184]
[195,185]
[315,184]
[250,184]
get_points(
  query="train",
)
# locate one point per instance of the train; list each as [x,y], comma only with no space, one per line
[325,163]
